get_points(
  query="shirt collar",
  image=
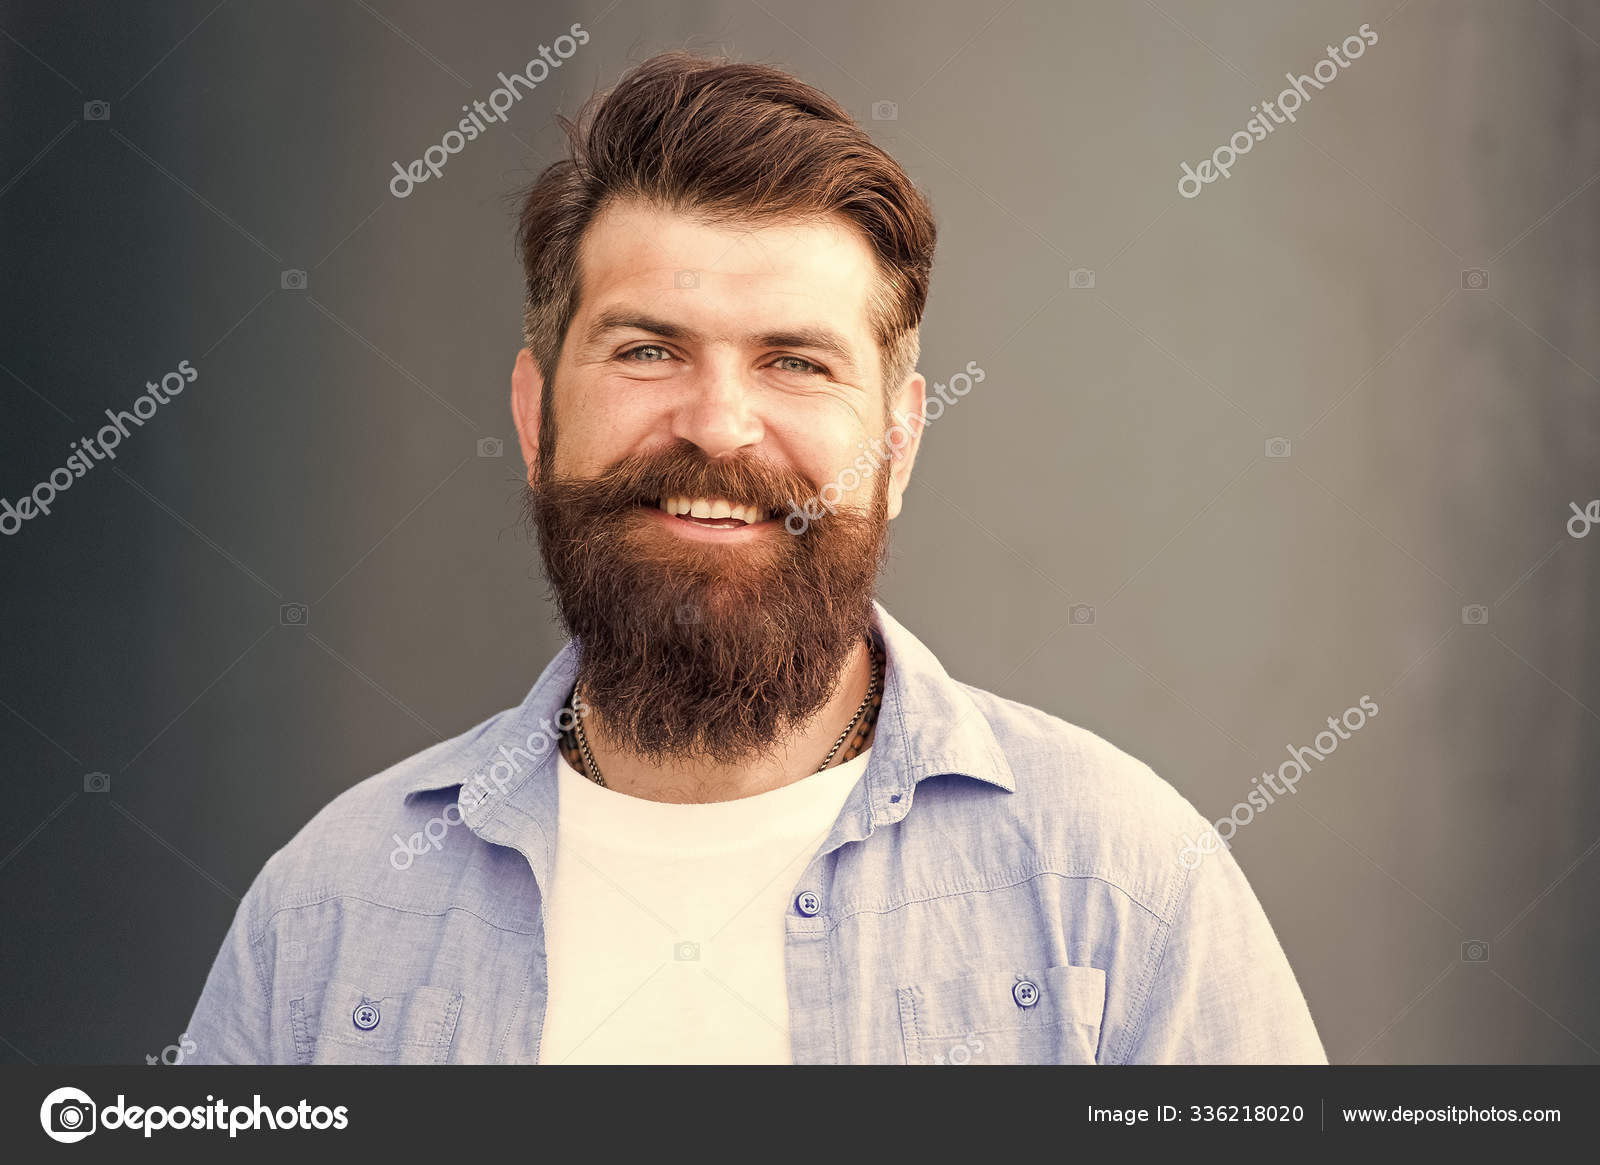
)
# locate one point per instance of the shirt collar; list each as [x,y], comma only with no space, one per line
[928,725]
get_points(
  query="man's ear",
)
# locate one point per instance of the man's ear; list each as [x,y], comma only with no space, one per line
[527,393]
[904,436]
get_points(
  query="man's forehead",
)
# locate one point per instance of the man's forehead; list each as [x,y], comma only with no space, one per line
[815,267]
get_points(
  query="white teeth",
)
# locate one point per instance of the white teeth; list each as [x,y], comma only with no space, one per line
[711,508]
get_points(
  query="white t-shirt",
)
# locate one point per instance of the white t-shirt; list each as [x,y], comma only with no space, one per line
[665,922]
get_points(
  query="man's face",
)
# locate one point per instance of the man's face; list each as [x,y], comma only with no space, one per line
[746,341]
[735,366]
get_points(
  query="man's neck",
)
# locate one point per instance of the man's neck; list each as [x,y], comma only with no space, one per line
[695,782]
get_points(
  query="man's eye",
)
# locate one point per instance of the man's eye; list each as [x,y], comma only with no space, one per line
[660,354]
[796,364]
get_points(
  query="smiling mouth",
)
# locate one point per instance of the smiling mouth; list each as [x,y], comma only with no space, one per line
[712,512]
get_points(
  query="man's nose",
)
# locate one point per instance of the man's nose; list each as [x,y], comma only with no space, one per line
[718,409]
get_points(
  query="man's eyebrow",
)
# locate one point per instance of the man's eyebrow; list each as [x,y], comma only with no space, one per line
[816,337]
[611,321]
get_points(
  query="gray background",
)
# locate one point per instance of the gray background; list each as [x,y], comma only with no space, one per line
[1114,455]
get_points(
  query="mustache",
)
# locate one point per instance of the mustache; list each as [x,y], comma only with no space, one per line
[684,470]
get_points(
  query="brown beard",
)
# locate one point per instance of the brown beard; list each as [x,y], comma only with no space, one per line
[694,651]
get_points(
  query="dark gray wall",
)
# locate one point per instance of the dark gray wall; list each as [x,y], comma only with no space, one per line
[1114,456]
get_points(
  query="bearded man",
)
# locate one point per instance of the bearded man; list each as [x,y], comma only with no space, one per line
[744,816]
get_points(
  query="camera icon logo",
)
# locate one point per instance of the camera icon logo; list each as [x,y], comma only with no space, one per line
[686,279]
[491,447]
[1474,279]
[68,1115]
[690,613]
[885,111]
[1081,277]
[686,952]
[97,111]
[97,783]
[1277,446]
[1475,950]
[293,279]
[1081,614]
[1475,615]
[293,615]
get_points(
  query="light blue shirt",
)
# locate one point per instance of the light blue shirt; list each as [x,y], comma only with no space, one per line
[1000,887]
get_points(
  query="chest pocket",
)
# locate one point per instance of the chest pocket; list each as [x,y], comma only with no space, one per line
[346,1024]
[1050,1015]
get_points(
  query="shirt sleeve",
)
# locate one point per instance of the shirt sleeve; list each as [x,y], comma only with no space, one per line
[1222,990]
[232,1022]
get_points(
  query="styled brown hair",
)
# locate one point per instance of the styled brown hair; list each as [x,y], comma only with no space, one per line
[726,143]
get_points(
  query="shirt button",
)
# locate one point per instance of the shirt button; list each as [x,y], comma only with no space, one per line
[365,1016]
[808,904]
[1026,993]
